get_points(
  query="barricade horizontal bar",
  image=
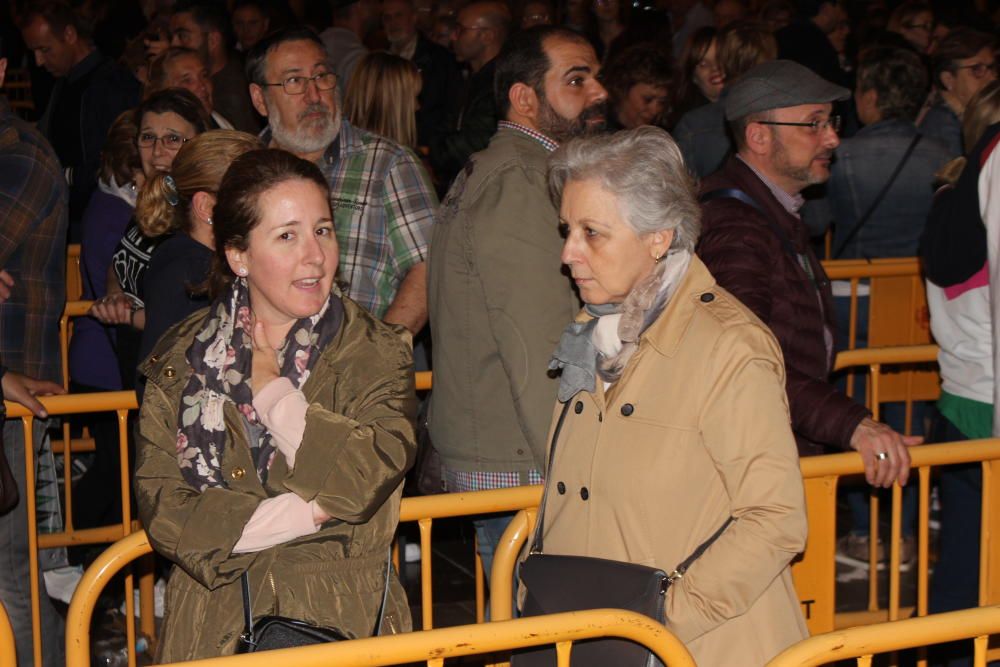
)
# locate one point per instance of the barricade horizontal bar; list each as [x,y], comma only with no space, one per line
[99,535]
[466,640]
[882,268]
[70,404]
[896,635]
[77,308]
[850,463]
[474,502]
[895,354]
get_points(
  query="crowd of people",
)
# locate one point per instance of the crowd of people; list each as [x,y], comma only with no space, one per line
[601,223]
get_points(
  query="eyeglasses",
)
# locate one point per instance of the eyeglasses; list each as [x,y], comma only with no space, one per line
[296,85]
[979,70]
[459,28]
[928,27]
[815,126]
[171,142]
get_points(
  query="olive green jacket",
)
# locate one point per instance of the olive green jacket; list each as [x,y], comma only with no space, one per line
[498,301]
[357,445]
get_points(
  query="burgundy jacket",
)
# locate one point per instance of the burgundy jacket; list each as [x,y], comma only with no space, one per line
[747,256]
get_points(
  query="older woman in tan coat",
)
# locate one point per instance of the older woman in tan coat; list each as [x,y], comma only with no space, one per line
[677,418]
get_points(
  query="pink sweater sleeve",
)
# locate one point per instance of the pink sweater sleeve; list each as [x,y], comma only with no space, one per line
[282,409]
[276,521]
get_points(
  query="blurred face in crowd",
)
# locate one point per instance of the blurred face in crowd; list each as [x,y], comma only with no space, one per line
[707,75]
[185,32]
[467,40]
[399,19]
[728,11]
[291,256]
[161,135]
[536,13]
[838,37]
[605,10]
[799,156]
[189,71]
[606,258]
[306,123]
[575,102]
[250,25]
[918,31]
[442,32]
[970,75]
[643,105]
[56,53]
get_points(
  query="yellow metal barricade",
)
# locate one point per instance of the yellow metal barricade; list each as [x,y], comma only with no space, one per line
[815,572]
[120,402]
[897,315]
[8,652]
[866,641]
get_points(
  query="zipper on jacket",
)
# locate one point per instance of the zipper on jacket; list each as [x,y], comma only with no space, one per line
[274,590]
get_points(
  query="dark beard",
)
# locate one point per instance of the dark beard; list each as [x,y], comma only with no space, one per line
[562,129]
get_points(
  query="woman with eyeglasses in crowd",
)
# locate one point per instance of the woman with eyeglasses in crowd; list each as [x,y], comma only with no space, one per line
[165,121]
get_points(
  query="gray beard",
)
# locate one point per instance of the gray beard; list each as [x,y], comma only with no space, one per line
[302,142]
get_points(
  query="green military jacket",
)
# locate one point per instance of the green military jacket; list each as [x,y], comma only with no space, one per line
[357,445]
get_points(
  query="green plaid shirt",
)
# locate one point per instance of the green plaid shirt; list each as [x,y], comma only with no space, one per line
[383,207]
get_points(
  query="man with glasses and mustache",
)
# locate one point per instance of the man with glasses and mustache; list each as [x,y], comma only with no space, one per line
[755,244]
[382,200]
[498,298]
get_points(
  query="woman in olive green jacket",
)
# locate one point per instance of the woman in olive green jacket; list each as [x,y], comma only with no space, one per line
[275,429]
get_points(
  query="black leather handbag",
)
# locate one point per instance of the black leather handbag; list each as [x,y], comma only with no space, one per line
[555,584]
[273,632]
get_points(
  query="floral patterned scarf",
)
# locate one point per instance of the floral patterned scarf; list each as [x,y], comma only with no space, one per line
[221,358]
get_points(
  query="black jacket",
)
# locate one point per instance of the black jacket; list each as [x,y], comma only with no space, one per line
[469,127]
[442,82]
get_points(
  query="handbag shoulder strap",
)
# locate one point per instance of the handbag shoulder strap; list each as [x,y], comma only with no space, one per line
[248,635]
[536,543]
[879,197]
[741,196]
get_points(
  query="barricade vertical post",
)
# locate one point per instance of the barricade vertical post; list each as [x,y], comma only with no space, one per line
[426,595]
[480,585]
[8,651]
[895,540]
[504,560]
[33,575]
[815,574]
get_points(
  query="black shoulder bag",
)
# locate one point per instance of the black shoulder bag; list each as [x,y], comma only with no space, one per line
[273,632]
[557,584]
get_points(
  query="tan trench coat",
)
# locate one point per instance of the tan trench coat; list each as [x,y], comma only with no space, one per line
[357,445]
[696,430]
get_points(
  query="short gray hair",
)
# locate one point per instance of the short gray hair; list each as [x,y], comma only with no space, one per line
[645,170]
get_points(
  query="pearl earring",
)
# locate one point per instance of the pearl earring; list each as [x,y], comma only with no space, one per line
[242,271]
[209,221]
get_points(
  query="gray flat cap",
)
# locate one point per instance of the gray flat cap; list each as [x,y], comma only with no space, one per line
[778,84]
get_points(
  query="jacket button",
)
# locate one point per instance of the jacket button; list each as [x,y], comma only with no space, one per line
[520,452]
[169,371]
[153,359]
[707,297]
[237,473]
[578,408]
[600,417]
[627,409]
[584,493]
[561,488]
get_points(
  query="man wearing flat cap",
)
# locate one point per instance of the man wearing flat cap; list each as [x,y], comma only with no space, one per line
[757,247]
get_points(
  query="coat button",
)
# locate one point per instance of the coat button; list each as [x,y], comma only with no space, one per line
[237,473]
[520,452]
[169,371]
[584,493]
[627,409]
[561,488]
[707,297]
[153,359]
[578,408]
[600,417]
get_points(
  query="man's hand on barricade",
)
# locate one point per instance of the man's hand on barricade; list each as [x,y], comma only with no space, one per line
[23,389]
[884,452]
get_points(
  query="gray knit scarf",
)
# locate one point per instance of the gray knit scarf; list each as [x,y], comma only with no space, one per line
[603,345]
